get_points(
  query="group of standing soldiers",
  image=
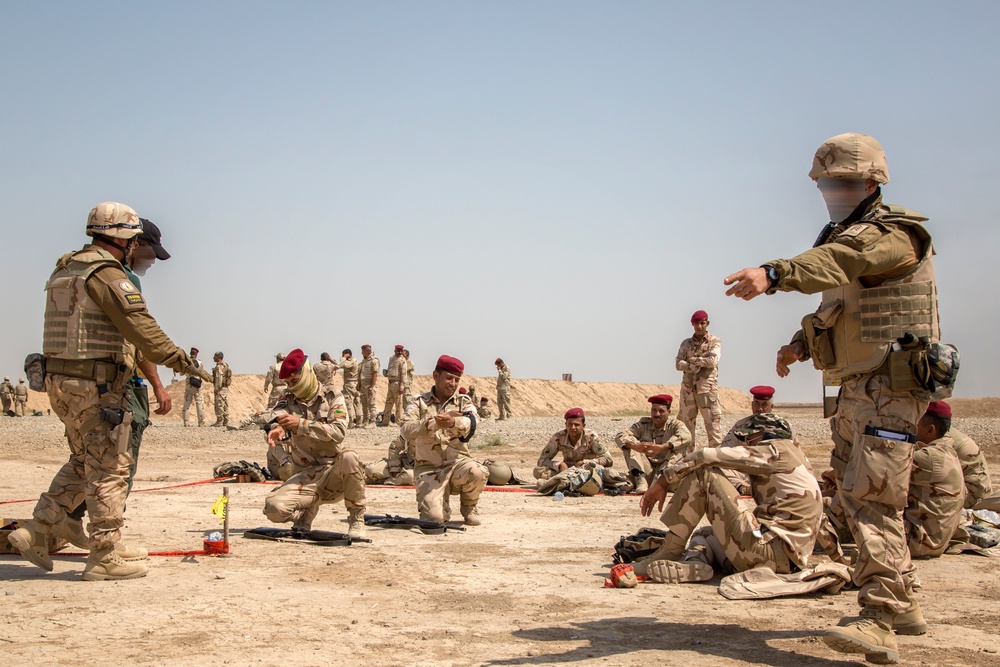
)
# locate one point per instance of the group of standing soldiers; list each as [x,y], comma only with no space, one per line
[14,397]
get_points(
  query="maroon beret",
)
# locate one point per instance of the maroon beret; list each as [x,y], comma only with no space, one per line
[195,350]
[484,400]
[662,399]
[292,363]
[449,365]
[498,361]
[574,413]
[366,345]
[399,347]
[939,408]
[762,392]
[698,316]
[462,390]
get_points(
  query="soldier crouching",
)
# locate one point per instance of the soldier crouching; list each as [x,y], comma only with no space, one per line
[440,424]
[323,471]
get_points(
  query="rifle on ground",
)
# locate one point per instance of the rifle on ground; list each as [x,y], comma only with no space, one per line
[395,521]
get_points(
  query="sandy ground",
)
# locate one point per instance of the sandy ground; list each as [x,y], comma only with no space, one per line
[525,588]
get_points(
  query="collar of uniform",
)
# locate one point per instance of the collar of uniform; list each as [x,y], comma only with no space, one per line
[865,210]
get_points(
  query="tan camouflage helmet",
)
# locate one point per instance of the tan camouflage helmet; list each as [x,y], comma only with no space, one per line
[850,155]
[113,219]
[280,356]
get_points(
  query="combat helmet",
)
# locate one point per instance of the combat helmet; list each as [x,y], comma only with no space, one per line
[850,155]
[113,219]
[768,424]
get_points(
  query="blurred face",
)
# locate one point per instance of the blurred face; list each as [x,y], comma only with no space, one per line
[445,384]
[194,354]
[217,358]
[925,430]
[406,353]
[574,428]
[142,259]
[366,352]
[842,195]
[700,328]
[659,414]
[760,406]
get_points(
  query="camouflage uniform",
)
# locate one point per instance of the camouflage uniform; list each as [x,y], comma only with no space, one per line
[396,469]
[6,395]
[394,395]
[443,465]
[779,533]
[673,433]
[588,447]
[974,470]
[484,411]
[503,393]
[408,383]
[698,360]
[351,396]
[222,378]
[935,499]
[276,384]
[21,398]
[323,471]
[193,393]
[368,371]
[325,372]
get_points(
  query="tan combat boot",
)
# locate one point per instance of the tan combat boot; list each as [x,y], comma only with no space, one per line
[672,548]
[72,531]
[471,515]
[32,541]
[107,565]
[679,572]
[870,633]
[356,522]
[911,622]
[639,479]
[130,553]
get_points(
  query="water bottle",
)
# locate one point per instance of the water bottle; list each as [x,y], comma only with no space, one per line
[559,495]
[215,536]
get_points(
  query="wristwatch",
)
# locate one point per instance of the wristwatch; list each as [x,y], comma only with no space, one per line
[772,275]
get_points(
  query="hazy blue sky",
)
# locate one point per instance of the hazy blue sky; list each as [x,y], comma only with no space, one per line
[557,183]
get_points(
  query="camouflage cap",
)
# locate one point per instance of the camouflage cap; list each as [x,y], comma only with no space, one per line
[850,155]
[113,219]
[767,423]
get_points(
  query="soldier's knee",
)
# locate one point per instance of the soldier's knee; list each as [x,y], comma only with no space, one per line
[277,510]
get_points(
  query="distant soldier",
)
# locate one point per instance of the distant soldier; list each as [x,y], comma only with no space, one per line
[323,470]
[396,374]
[974,468]
[653,442]
[408,385]
[484,410]
[21,398]
[575,443]
[503,390]
[937,489]
[396,469]
[352,397]
[274,381]
[6,394]
[325,371]
[192,392]
[222,378]
[472,395]
[698,359]
[368,383]
[440,424]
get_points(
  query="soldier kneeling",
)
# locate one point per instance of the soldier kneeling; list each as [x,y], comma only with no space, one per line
[396,469]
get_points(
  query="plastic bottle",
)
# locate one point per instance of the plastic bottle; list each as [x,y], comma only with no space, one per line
[558,495]
[215,536]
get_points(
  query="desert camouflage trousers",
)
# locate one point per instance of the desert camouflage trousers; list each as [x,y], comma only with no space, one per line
[222,405]
[368,407]
[298,500]
[6,402]
[465,478]
[503,403]
[21,406]
[640,464]
[393,404]
[279,462]
[353,400]
[873,478]
[379,472]
[711,413]
[734,541]
[193,394]
[98,464]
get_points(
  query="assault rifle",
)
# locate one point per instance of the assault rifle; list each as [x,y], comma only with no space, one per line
[395,521]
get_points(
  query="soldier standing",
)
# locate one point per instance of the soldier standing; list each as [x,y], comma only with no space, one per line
[222,377]
[274,381]
[871,258]
[408,384]
[21,398]
[351,395]
[325,371]
[576,443]
[653,442]
[698,359]
[192,391]
[397,379]
[95,322]
[6,394]
[503,390]
[440,425]
[368,372]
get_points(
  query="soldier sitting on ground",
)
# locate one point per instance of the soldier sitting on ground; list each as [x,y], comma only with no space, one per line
[396,469]
[484,411]
[576,443]
[653,442]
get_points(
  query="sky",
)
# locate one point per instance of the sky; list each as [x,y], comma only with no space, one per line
[557,183]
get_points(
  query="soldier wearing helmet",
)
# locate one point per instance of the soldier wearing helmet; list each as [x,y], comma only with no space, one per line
[273,380]
[6,394]
[872,263]
[96,325]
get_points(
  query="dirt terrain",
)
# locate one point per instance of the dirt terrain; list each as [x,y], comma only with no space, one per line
[525,588]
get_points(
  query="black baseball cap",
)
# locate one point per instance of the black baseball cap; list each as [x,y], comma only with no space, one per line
[151,235]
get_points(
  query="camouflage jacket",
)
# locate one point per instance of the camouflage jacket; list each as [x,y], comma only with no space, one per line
[222,376]
[397,369]
[974,470]
[674,433]
[325,370]
[410,368]
[503,377]
[6,389]
[21,390]
[368,369]
[400,456]
[319,438]
[787,495]
[432,446]
[934,503]
[350,368]
[272,380]
[589,447]
[698,360]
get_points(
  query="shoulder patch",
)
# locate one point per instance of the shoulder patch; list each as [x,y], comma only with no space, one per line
[126,286]
[860,235]
[854,230]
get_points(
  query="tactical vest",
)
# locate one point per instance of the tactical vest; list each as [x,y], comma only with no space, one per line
[853,331]
[75,326]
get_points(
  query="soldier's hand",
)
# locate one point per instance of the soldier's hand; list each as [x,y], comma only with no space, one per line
[445,419]
[654,497]
[653,449]
[788,354]
[562,466]
[747,284]
[289,422]
[164,401]
[275,435]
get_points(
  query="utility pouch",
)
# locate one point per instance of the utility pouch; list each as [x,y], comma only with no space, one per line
[34,371]
[195,382]
[903,365]
[818,330]
[879,468]
[112,416]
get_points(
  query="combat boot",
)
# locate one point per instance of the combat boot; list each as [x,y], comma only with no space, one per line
[356,522]
[870,633]
[107,565]
[911,622]
[679,572]
[130,553]
[673,548]
[217,424]
[32,541]
[471,515]
[639,481]
[72,531]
